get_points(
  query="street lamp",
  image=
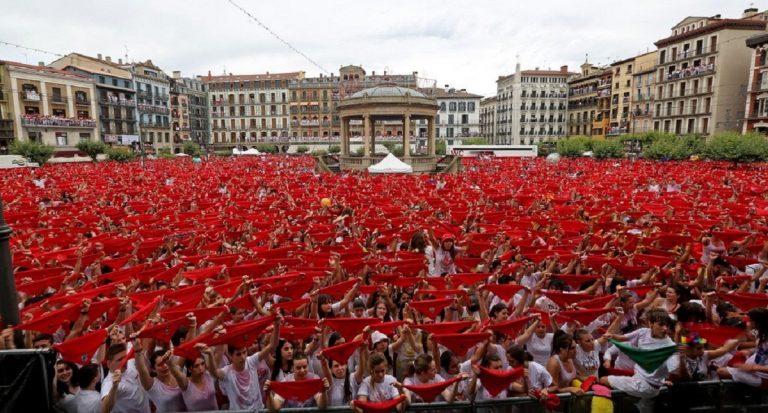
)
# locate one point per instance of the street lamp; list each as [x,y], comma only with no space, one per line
[9,305]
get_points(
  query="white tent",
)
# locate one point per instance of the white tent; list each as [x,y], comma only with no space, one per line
[251,151]
[390,164]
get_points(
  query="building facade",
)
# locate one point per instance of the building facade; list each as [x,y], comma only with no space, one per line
[47,105]
[702,73]
[531,106]
[196,94]
[582,100]
[249,108]
[153,102]
[756,109]
[458,116]
[643,89]
[488,119]
[116,95]
[621,97]
[314,105]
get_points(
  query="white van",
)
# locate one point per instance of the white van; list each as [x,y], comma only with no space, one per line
[16,161]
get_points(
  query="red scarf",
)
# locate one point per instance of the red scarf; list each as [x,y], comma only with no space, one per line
[297,391]
[379,407]
[459,344]
[495,381]
[428,392]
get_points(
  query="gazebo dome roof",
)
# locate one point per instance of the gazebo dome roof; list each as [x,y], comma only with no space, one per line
[388,91]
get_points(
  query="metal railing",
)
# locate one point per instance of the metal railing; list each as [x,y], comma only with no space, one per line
[706,396]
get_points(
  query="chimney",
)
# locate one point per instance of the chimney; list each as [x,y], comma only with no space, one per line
[108,59]
[446,88]
[717,16]
[373,73]
[564,69]
[749,12]
[177,74]
[98,56]
[463,90]
[385,73]
[41,64]
[120,61]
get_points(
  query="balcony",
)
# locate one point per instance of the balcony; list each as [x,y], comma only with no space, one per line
[56,121]
[688,54]
[144,94]
[153,109]
[690,72]
[118,102]
[154,125]
[82,101]
[30,96]
[59,100]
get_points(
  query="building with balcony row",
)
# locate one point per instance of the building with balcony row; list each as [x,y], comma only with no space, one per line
[531,106]
[152,87]
[47,105]
[702,74]
[457,118]
[488,119]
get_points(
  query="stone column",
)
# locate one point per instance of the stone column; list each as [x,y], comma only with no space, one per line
[367,134]
[70,103]
[431,137]
[407,136]
[344,138]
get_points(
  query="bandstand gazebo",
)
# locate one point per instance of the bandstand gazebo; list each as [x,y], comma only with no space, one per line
[387,103]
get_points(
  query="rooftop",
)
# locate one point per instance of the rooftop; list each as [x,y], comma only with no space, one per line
[388,91]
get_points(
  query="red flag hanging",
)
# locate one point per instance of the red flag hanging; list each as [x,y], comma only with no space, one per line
[342,352]
[495,381]
[349,327]
[431,308]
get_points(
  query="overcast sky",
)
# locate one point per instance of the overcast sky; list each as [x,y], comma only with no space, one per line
[466,44]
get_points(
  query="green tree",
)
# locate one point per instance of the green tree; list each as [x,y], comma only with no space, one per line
[334,149]
[398,151]
[545,148]
[163,153]
[120,154]
[302,149]
[266,148]
[611,148]
[34,151]
[574,146]
[360,151]
[440,147]
[390,146]
[667,147]
[474,141]
[192,149]
[737,148]
[92,148]
[319,152]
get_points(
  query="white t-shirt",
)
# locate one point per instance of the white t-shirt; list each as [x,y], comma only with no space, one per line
[87,401]
[415,398]
[587,363]
[540,348]
[538,376]
[166,398]
[242,388]
[130,397]
[646,342]
[378,392]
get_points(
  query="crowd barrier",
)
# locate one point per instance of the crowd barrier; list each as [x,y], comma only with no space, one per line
[705,396]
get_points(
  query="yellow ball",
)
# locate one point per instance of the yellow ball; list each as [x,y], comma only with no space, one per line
[325,202]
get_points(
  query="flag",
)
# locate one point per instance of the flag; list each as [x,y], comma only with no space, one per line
[649,360]
[349,327]
[511,328]
[445,328]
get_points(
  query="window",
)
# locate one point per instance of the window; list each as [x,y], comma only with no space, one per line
[462,107]
[59,112]
[471,106]
[61,138]
[452,107]
[442,106]
[450,119]
[114,82]
[85,137]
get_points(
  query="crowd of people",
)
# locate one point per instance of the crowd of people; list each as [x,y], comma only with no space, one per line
[245,283]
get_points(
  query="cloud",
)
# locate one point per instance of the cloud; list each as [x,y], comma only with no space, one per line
[464,44]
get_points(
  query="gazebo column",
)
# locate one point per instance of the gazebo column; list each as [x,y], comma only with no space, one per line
[344,136]
[407,136]
[367,134]
[431,136]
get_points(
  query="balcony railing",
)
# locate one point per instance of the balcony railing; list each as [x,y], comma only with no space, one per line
[58,99]
[30,95]
[29,120]
[81,101]
[118,102]
[145,94]
[691,72]
[154,125]
[153,109]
